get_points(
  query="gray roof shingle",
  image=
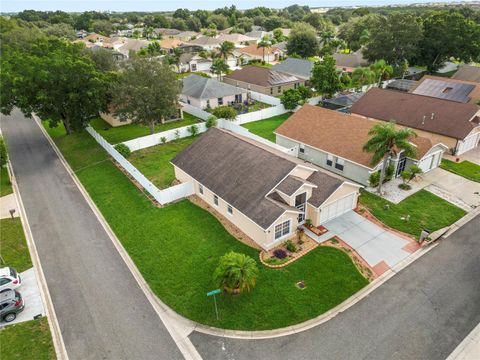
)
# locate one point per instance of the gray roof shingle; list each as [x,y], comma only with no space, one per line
[326,185]
[297,67]
[200,87]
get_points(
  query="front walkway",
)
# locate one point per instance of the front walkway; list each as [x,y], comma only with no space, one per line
[8,203]
[380,248]
[457,190]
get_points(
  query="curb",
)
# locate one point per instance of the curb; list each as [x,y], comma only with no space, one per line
[459,223]
[59,345]
[294,329]
[164,312]
[469,346]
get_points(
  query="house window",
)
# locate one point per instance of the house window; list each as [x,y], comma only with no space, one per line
[238,98]
[271,91]
[230,209]
[329,160]
[194,67]
[302,149]
[215,200]
[282,229]
[200,189]
[279,89]
[220,101]
[188,101]
[339,164]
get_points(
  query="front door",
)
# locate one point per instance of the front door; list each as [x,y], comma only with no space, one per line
[401,164]
[300,201]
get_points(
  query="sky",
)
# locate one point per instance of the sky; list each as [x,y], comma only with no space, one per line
[166,5]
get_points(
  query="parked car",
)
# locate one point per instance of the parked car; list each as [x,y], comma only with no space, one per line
[11,303]
[9,279]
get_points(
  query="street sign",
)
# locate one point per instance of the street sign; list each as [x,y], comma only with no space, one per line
[214,292]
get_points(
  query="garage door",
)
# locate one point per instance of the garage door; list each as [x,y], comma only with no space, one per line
[468,144]
[337,208]
[430,162]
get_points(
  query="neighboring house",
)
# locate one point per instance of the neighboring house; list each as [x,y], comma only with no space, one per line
[81,34]
[115,42]
[132,45]
[253,52]
[258,34]
[185,36]
[239,40]
[402,85]
[342,102]
[168,44]
[468,73]
[262,80]
[449,89]
[95,38]
[192,63]
[282,46]
[205,92]
[300,68]
[348,62]
[454,124]
[263,194]
[117,56]
[164,32]
[206,42]
[334,141]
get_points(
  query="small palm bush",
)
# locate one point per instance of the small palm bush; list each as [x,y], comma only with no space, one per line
[236,273]
[123,149]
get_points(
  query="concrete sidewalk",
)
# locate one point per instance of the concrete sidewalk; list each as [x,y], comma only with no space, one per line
[7,203]
[469,348]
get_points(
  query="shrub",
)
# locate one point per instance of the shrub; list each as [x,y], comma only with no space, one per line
[308,222]
[163,139]
[193,130]
[404,186]
[123,149]
[3,152]
[280,254]
[305,92]
[406,176]
[290,99]
[225,112]
[414,171]
[211,122]
[177,134]
[290,246]
[389,173]
[374,179]
[236,272]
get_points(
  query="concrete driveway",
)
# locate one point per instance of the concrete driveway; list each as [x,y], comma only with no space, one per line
[381,249]
[31,295]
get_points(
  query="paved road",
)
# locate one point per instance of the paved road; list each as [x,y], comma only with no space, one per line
[103,313]
[423,312]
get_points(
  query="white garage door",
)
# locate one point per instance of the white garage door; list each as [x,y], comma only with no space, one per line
[430,162]
[337,208]
[468,144]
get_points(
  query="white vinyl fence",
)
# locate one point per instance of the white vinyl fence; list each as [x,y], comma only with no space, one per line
[267,99]
[162,196]
[260,114]
[240,130]
[169,135]
[201,114]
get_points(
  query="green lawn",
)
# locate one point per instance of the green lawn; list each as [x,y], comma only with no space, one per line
[5,185]
[266,127]
[465,168]
[154,162]
[115,135]
[177,248]
[27,340]
[427,211]
[13,246]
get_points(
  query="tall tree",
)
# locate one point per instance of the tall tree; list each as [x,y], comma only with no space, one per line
[394,38]
[303,41]
[353,31]
[218,67]
[325,77]
[382,70]
[386,142]
[226,49]
[147,92]
[56,80]
[362,76]
[263,44]
[449,34]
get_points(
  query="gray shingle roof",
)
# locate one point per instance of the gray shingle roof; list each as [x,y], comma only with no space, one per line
[200,87]
[402,85]
[326,185]
[345,100]
[297,67]
[239,172]
[447,90]
[289,185]
[468,73]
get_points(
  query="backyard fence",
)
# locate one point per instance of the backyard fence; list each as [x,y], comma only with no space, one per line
[267,99]
[240,130]
[161,196]
[260,114]
[169,135]
[201,114]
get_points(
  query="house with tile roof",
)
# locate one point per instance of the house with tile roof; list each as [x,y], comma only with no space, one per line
[348,62]
[334,141]
[264,195]
[205,92]
[253,52]
[452,123]
[262,80]
[206,42]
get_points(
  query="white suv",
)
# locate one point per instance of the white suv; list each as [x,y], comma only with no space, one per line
[9,279]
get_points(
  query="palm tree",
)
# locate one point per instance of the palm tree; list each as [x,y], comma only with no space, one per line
[226,49]
[362,76]
[382,70]
[218,67]
[174,58]
[265,43]
[386,142]
[236,273]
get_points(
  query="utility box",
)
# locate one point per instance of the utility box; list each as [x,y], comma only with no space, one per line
[424,234]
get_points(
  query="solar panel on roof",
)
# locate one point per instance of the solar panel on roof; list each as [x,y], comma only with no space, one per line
[445,90]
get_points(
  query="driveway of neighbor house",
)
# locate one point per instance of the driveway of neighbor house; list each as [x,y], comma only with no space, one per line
[454,188]
[471,155]
[380,248]
[31,296]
